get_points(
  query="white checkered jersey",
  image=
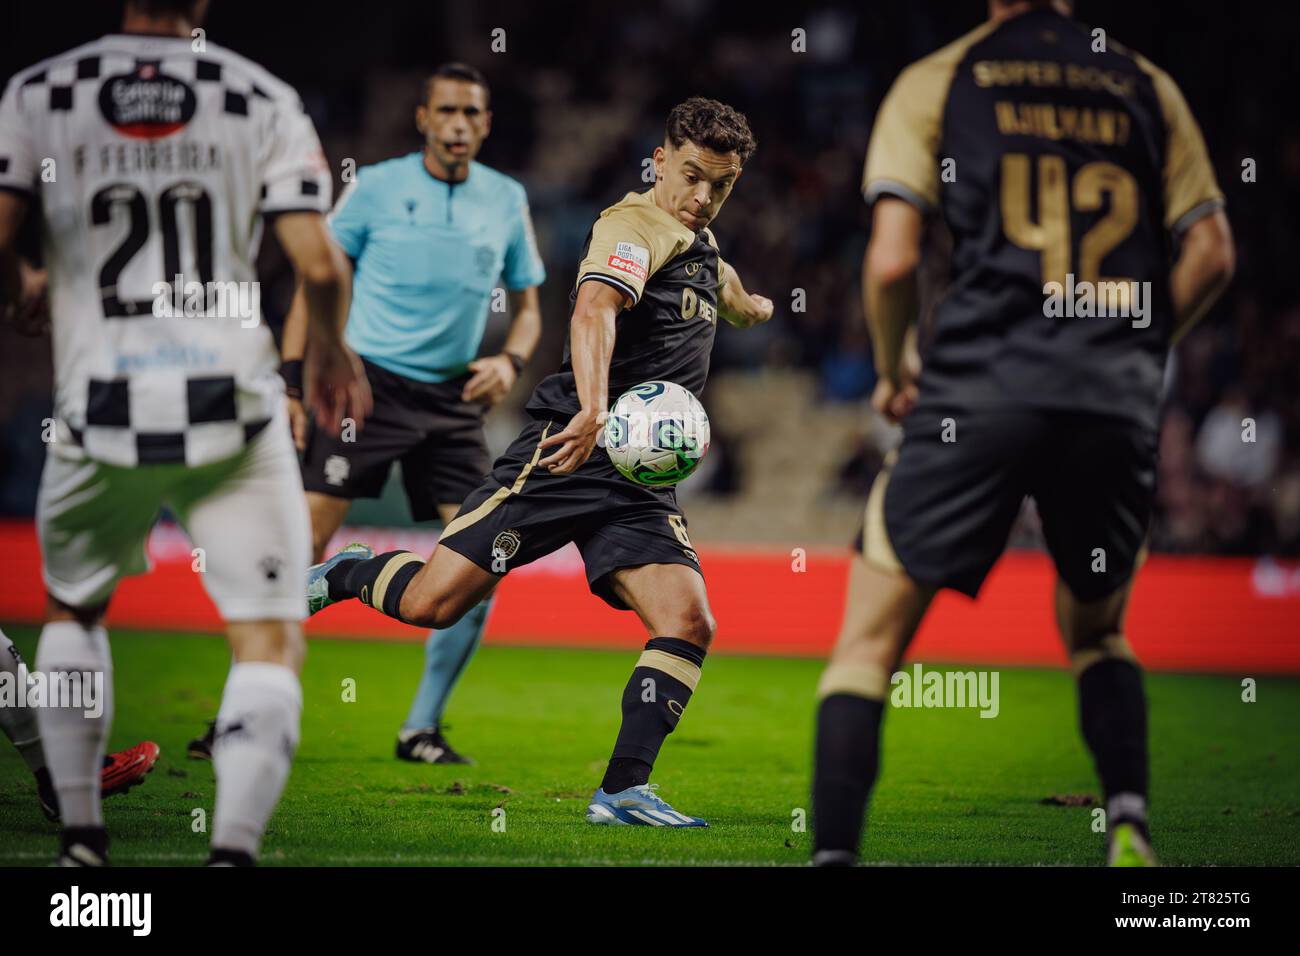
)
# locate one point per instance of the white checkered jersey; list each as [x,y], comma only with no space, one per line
[153,164]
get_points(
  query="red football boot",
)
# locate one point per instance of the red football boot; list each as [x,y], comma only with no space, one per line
[121,772]
[125,769]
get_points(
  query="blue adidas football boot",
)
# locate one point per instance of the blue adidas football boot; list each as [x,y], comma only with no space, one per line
[637,806]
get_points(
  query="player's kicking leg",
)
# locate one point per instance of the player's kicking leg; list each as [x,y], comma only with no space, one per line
[120,771]
[882,611]
[672,603]
[670,600]
[1112,716]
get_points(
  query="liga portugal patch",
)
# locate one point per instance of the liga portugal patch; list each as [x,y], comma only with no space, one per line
[631,259]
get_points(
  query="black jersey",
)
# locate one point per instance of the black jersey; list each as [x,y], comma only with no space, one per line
[1063,164]
[669,276]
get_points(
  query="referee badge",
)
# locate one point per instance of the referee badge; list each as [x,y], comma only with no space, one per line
[506,545]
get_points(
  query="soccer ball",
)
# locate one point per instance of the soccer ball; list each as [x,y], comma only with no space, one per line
[656,434]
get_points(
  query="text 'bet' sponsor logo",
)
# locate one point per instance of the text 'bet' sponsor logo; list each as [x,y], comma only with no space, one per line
[975,689]
[74,909]
[630,258]
[71,690]
[1107,298]
[146,103]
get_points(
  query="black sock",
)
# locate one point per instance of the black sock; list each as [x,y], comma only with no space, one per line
[624,772]
[378,581]
[653,701]
[847,758]
[94,839]
[1113,715]
[336,578]
[220,857]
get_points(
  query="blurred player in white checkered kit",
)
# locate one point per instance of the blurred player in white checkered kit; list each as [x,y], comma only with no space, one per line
[153,159]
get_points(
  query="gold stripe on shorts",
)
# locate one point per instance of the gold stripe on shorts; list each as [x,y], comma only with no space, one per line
[875,538]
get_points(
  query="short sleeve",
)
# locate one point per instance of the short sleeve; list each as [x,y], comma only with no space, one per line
[295,175]
[902,157]
[350,220]
[625,250]
[1191,190]
[523,268]
[19,165]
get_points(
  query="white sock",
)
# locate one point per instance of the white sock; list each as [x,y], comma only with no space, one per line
[73,740]
[19,723]
[257,733]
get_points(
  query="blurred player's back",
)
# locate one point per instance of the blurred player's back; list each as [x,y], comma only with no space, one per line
[153,160]
[1062,158]
[1064,166]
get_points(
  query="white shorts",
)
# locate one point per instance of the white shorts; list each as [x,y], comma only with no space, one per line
[247,515]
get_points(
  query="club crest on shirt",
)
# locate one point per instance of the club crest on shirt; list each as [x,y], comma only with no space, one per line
[146,103]
[483,259]
[506,544]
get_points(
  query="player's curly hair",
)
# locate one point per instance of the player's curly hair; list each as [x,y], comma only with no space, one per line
[712,125]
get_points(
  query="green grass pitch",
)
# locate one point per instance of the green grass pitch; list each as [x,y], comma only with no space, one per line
[955,788]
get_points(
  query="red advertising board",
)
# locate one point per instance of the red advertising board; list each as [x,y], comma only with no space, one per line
[1225,615]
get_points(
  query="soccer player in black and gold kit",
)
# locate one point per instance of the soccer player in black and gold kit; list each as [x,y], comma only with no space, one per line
[648,294]
[1060,162]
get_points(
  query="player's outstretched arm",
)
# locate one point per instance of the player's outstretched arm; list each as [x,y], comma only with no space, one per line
[738,307]
[1204,268]
[336,386]
[890,301]
[494,375]
[591,345]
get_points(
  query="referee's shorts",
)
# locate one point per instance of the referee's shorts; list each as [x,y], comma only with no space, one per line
[437,437]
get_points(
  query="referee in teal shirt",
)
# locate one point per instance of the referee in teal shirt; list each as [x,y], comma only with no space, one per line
[429,236]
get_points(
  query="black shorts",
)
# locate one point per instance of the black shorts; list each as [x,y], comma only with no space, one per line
[522,512]
[437,437]
[943,510]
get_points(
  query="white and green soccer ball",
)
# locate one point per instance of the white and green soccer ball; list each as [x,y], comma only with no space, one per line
[656,434]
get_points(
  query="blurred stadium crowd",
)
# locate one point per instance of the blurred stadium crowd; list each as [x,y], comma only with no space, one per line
[579,96]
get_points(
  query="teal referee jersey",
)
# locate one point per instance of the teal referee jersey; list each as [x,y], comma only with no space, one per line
[427,255]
